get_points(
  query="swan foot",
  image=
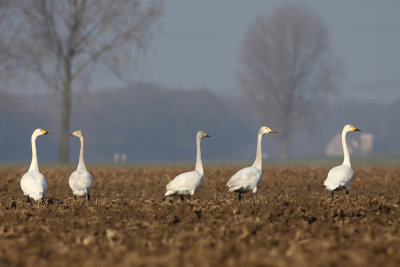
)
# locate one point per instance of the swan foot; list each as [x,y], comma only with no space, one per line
[88,197]
[182,198]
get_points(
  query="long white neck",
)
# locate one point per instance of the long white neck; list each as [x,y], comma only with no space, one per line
[199,164]
[34,164]
[346,160]
[81,164]
[258,161]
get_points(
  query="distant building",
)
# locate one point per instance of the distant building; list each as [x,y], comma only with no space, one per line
[362,143]
[116,158]
[123,158]
[367,143]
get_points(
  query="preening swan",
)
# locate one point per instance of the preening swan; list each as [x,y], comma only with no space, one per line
[340,177]
[247,179]
[33,183]
[80,180]
[189,182]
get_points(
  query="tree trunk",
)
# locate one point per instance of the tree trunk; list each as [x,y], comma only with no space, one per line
[285,147]
[65,114]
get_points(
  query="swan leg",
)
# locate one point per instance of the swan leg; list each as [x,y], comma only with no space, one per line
[347,191]
[240,197]
[255,193]
[192,197]
[88,196]
[182,198]
[28,199]
[332,196]
[75,197]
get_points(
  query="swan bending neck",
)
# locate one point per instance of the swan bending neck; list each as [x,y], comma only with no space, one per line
[258,161]
[346,159]
[199,163]
[34,163]
[81,164]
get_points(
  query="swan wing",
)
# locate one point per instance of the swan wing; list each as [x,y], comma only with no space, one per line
[80,182]
[188,181]
[34,185]
[245,179]
[339,176]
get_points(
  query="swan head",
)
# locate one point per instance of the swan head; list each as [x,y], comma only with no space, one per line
[77,133]
[39,132]
[350,128]
[266,130]
[201,134]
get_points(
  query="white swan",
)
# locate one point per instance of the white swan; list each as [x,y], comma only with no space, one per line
[80,180]
[189,182]
[340,177]
[247,179]
[33,183]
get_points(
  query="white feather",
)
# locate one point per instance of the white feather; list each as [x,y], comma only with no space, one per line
[338,178]
[80,182]
[185,184]
[245,180]
[341,176]
[189,182]
[34,184]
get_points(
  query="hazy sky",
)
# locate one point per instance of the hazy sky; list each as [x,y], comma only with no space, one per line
[199,44]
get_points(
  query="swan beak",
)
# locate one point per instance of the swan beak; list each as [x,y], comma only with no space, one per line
[45,132]
[357,130]
[207,135]
[273,131]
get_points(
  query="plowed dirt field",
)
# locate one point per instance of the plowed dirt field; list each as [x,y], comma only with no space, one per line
[127,222]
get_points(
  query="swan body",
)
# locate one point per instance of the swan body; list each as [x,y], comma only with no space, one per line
[81,180]
[341,176]
[33,183]
[188,183]
[247,179]
[185,184]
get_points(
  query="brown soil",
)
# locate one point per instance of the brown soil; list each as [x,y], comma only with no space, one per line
[126,223]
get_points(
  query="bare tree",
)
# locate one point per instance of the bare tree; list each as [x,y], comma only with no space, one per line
[9,33]
[288,67]
[69,40]
[7,38]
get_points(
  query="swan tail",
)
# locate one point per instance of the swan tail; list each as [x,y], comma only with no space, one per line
[169,193]
[329,186]
[234,188]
